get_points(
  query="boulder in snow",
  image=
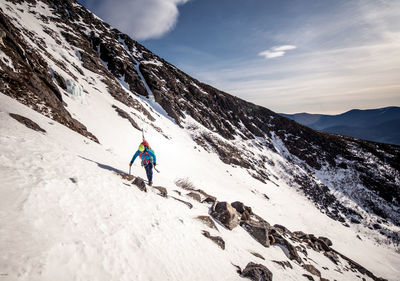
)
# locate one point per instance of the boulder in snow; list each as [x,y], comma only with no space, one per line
[258,231]
[240,207]
[139,182]
[225,214]
[257,272]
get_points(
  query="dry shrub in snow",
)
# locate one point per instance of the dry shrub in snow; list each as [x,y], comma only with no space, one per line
[185,184]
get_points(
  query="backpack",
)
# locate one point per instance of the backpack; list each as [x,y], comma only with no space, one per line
[146,144]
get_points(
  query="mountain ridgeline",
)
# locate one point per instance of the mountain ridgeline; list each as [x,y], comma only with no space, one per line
[318,164]
[379,125]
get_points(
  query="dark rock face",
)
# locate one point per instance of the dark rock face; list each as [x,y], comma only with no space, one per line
[27,122]
[216,239]
[31,83]
[139,182]
[225,214]
[257,272]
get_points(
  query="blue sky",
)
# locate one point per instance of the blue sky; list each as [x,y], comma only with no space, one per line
[287,55]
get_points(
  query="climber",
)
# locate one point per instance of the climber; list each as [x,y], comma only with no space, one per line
[148,160]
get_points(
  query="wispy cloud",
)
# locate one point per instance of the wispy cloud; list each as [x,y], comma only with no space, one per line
[276,51]
[141,19]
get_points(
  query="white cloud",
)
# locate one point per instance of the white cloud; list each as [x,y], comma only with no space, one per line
[284,48]
[271,54]
[141,19]
[276,51]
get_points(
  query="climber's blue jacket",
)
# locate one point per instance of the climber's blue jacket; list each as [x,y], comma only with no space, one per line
[147,156]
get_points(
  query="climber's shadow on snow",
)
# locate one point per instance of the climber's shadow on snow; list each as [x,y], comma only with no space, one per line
[103,166]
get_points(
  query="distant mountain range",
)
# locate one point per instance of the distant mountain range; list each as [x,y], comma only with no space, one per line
[380,125]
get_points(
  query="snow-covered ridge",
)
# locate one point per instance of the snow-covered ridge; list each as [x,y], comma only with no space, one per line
[261,152]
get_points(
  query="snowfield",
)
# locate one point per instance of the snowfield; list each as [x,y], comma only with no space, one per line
[66,214]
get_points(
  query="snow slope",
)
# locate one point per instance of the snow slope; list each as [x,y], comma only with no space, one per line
[66,214]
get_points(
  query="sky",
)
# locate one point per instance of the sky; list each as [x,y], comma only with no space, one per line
[287,55]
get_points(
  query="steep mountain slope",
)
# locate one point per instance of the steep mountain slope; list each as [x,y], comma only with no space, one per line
[380,125]
[62,61]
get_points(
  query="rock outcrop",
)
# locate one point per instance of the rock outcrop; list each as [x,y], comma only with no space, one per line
[225,214]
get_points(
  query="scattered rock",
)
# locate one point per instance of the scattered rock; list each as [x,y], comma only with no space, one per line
[225,214]
[257,255]
[125,115]
[310,268]
[216,239]
[332,256]
[281,229]
[290,249]
[184,202]
[309,277]
[139,182]
[162,190]
[257,272]
[240,207]
[245,216]
[207,221]
[377,226]
[209,199]
[321,245]
[73,180]
[257,231]
[27,122]
[284,264]
[299,234]
[126,176]
[327,241]
[195,196]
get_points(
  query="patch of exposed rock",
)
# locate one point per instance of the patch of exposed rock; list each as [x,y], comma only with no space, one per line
[216,239]
[207,221]
[27,122]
